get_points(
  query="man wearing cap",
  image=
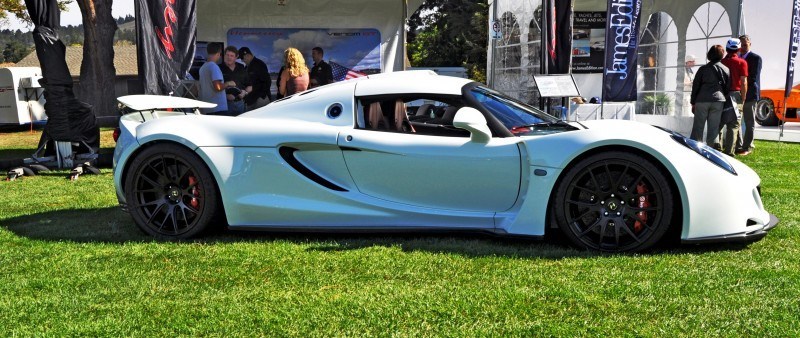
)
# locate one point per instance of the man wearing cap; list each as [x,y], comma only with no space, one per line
[259,79]
[753,95]
[738,90]
[321,72]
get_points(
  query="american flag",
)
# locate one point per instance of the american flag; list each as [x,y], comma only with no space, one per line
[341,73]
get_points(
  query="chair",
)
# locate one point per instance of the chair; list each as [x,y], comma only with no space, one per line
[401,122]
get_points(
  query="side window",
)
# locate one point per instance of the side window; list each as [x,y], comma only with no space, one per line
[413,115]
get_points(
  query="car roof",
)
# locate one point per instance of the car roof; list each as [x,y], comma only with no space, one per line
[408,82]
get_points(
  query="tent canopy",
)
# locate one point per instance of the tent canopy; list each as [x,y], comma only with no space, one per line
[216,18]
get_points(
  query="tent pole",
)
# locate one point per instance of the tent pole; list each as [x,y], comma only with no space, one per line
[493,59]
[404,37]
[739,18]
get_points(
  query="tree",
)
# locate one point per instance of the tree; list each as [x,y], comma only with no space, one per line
[97,68]
[18,10]
[15,51]
[450,33]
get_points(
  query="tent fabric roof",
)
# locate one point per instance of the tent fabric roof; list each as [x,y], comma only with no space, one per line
[124,60]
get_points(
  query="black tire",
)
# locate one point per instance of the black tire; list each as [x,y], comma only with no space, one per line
[764,112]
[614,202]
[170,192]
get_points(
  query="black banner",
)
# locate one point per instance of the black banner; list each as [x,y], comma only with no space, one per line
[559,35]
[622,29]
[166,34]
[794,43]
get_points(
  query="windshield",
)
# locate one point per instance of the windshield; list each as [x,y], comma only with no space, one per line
[517,117]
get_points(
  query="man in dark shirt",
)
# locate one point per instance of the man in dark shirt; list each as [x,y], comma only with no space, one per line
[236,80]
[260,79]
[321,72]
[753,95]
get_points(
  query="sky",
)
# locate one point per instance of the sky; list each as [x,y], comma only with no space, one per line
[767,23]
[73,16]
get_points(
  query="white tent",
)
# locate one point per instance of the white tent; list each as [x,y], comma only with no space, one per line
[216,18]
[668,31]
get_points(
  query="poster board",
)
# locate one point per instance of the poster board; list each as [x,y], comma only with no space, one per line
[351,49]
[588,42]
[556,85]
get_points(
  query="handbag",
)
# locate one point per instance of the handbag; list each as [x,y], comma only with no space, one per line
[730,110]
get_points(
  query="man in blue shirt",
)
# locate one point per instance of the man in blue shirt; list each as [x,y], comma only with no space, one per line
[212,89]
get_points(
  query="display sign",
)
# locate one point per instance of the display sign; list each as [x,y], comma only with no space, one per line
[356,50]
[561,85]
[588,42]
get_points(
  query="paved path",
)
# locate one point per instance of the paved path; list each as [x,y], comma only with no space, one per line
[791,133]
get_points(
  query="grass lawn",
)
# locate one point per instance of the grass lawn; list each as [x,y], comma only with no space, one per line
[73,264]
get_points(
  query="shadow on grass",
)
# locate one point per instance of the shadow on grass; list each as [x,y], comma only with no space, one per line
[112,225]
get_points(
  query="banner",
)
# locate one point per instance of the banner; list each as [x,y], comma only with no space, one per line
[794,43]
[622,29]
[558,15]
[588,42]
[166,31]
[356,51]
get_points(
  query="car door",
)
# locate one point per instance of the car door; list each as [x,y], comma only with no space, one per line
[436,172]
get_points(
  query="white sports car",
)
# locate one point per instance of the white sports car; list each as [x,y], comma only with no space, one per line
[414,151]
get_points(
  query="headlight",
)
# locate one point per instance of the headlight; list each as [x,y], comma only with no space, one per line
[704,150]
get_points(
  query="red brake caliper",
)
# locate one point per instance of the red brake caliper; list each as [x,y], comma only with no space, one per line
[644,202]
[195,192]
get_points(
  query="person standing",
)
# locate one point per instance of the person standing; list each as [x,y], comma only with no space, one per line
[236,81]
[294,78]
[688,78]
[738,90]
[212,88]
[707,97]
[321,72]
[753,95]
[259,78]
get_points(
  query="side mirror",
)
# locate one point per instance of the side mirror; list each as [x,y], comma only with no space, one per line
[471,119]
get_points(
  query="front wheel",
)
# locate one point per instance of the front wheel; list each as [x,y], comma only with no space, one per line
[614,202]
[170,192]
[765,113]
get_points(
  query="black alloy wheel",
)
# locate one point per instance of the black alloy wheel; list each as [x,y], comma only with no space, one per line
[170,192]
[614,202]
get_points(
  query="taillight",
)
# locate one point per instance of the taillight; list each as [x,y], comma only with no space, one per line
[116,134]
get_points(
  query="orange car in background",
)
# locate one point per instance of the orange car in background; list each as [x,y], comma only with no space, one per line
[769,110]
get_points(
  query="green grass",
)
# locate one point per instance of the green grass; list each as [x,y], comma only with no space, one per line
[73,264]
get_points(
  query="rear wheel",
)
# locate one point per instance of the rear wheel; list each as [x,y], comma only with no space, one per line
[765,113]
[170,192]
[614,202]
